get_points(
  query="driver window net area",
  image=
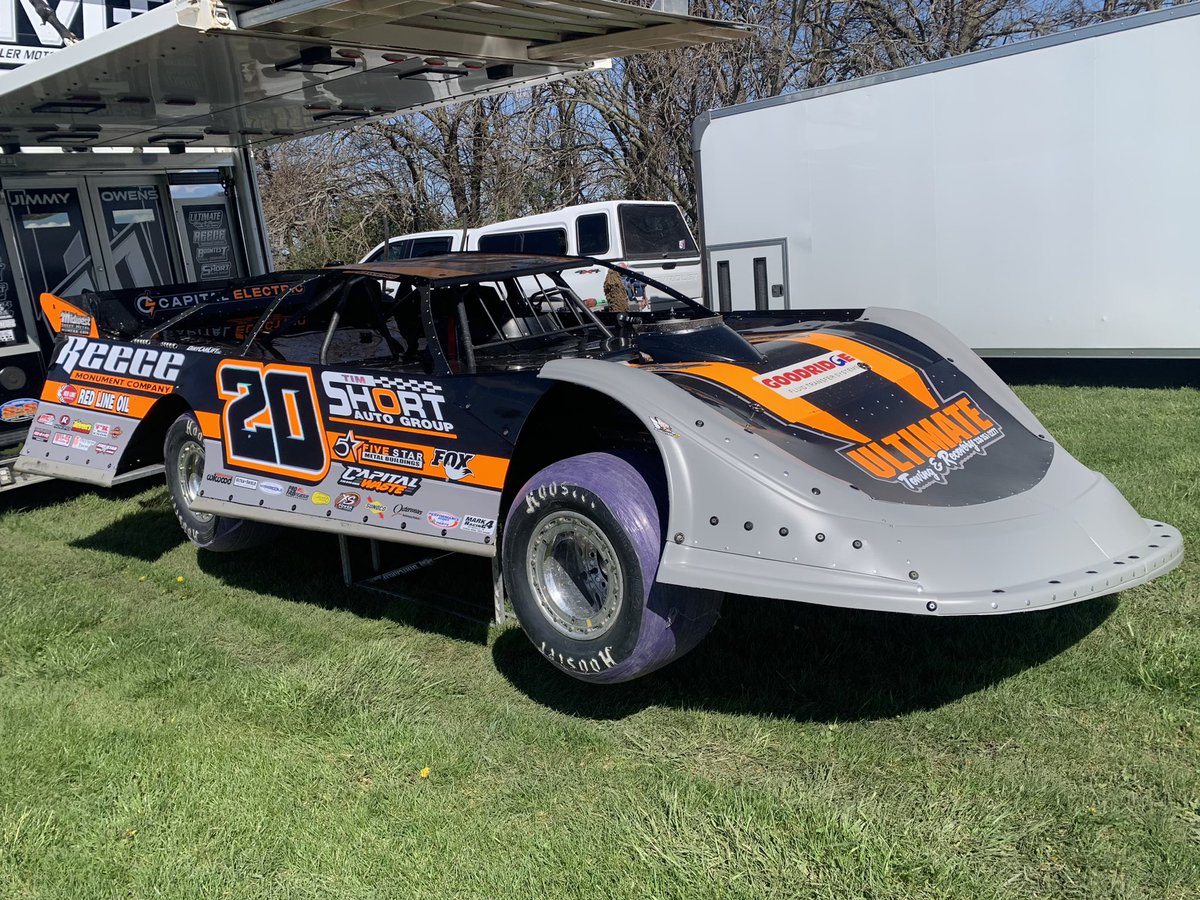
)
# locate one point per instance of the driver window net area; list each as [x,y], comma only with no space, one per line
[532,306]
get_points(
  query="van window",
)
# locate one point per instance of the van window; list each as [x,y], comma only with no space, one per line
[654,231]
[592,232]
[429,246]
[544,240]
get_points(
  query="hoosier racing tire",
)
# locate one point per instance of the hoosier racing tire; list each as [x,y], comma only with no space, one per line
[581,548]
[183,459]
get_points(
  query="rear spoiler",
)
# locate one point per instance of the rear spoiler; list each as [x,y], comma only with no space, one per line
[66,318]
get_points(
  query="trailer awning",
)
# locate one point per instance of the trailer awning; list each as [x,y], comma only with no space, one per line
[205,73]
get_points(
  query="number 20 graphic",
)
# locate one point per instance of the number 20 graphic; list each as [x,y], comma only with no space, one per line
[271,421]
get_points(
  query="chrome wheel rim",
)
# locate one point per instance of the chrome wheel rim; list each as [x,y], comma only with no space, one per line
[575,574]
[190,468]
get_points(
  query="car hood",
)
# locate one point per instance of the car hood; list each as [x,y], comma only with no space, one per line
[876,408]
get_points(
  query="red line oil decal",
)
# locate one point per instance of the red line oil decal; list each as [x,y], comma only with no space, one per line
[929,450]
[270,419]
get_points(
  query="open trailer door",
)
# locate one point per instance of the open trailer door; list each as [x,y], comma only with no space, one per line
[127,156]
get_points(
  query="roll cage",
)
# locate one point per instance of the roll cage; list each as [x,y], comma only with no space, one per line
[452,314]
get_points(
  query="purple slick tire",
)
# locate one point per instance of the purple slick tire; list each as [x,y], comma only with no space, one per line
[582,543]
[183,459]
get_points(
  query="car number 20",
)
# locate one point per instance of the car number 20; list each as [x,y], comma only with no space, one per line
[271,421]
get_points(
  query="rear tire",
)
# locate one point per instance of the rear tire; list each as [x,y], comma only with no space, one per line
[582,543]
[183,459]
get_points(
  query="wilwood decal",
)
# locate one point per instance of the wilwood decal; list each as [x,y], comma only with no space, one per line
[929,450]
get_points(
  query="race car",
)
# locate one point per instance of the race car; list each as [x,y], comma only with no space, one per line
[629,469]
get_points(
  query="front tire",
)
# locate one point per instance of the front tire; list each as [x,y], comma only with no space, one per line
[183,459]
[582,543]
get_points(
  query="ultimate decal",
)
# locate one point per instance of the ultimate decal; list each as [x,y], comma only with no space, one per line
[925,452]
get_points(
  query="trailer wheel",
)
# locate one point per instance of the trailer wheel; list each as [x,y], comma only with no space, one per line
[183,459]
[581,548]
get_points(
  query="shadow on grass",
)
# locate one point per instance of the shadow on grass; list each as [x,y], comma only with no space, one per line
[1148,373]
[148,534]
[48,493]
[305,567]
[811,663]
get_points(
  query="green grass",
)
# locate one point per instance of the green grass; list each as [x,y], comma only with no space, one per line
[256,730]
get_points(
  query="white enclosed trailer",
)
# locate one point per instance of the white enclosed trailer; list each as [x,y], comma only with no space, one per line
[1039,199]
[126,158]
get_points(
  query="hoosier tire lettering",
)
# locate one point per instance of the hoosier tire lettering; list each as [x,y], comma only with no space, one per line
[580,553]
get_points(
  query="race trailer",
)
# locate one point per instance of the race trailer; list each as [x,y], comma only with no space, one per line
[1034,198]
[127,140]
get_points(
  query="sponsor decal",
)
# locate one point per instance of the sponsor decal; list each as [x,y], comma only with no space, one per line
[73,323]
[265,290]
[62,439]
[45,419]
[137,362]
[376,506]
[442,520]
[271,488]
[105,401]
[21,410]
[478,524]
[408,512]
[351,448]
[117,431]
[150,306]
[930,450]
[241,481]
[405,403]
[294,490]
[40,434]
[81,426]
[64,421]
[106,449]
[68,394]
[82,443]
[219,478]
[347,501]
[380,481]
[320,498]
[102,429]
[454,462]
[812,374]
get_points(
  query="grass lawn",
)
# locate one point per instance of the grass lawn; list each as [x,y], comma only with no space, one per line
[191,725]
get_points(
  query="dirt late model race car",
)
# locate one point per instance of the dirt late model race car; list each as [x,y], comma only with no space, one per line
[629,468]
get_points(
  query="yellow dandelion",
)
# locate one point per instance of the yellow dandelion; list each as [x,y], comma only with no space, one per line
[179,578]
[425,772]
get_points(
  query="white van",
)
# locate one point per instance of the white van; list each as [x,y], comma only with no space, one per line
[648,236]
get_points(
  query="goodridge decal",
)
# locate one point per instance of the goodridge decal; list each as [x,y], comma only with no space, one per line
[270,419]
[927,451]
[812,374]
[403,404]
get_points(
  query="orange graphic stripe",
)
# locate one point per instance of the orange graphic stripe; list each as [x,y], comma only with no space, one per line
[899,373]
[796,409]
[138,407]
[450,436]
[210,423]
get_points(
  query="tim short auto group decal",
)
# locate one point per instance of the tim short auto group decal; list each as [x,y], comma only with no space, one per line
[24,38]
